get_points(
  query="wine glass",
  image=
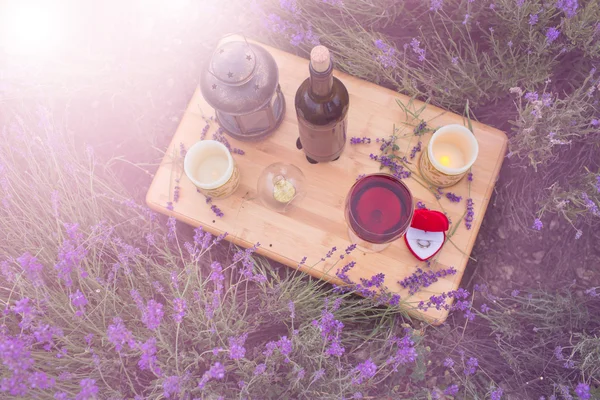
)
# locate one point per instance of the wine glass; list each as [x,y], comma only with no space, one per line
[378,210]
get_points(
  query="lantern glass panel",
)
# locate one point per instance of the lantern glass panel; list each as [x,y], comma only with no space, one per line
[255,122]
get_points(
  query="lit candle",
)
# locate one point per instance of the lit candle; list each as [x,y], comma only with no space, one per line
[210,166]
[450,154]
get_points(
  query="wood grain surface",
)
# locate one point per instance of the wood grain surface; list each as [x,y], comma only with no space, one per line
[316,224]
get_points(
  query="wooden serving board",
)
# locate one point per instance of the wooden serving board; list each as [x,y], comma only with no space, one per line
[316,224]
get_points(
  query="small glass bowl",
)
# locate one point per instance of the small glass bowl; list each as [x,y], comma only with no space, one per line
[280,185]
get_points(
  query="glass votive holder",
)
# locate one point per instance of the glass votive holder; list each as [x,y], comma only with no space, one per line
[210,166]
[450,154]
[280,185]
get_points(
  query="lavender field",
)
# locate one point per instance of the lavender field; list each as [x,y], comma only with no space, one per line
[104,299]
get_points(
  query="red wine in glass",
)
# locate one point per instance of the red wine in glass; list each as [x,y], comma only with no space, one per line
[379,209]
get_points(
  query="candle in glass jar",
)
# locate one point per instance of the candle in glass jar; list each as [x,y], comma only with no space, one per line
[210,166]
[450,154]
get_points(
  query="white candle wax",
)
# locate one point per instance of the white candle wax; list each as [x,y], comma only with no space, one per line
[208,164]
[212,168]
[453,149]
[448,155]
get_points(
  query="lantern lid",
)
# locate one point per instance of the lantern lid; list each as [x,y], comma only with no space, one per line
[239,78]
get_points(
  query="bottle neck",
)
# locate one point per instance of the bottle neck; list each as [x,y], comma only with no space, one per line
[321,83]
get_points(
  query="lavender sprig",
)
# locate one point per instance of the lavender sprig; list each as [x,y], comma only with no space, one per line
[217,211]
[358,140]
[422,278]
[204,131]
[421,128]
[415,150]
[453,198]
[470,213]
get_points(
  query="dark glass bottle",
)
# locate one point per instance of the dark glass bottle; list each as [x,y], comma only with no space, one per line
[322,103]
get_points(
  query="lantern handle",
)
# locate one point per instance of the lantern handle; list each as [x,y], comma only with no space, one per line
[249,48]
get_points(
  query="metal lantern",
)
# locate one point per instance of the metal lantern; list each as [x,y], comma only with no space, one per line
[241,82]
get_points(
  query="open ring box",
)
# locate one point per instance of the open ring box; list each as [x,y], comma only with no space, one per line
[427,233]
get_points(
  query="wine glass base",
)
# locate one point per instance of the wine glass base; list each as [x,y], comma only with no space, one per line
[365,246]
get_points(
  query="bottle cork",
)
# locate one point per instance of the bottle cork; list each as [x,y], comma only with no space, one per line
[320,59]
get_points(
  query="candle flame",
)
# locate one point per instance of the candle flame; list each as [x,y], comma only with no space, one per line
[445,161]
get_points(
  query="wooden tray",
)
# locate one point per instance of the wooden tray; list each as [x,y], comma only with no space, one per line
[316,224]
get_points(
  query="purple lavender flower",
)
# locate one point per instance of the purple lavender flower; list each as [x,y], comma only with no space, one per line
[448,362]
[451,390]
[365,370]
[32,267]
[289,5]
[179,306]
[285,346]
[515,293]
[171,386]
[453,198]
[520,3]
[564,391]
[531,96]
[22,307]
[421,205]
[422,278]
[260,369]
[217,211]
[152,315]
[569,7]
[537,224]
[89,390]
[436,5]
[415,150]
[533,19]
[405,352]
[236,346]
[70,254]
[376,280]
[39,380]
[343,273]
[176,193]
[170,206]
[172,224]
[416,48]
[118,335]
[583,391]
[387,58]
[552,34]
[466,19]
[204,131]
[484,308]
[470,213]
[590,204]
[471,366]
[359,140]
[79,301]
[292,309]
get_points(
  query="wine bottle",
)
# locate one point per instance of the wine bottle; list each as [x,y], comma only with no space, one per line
[322,103]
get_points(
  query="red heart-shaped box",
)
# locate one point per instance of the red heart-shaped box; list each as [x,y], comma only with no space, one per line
[427,233]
